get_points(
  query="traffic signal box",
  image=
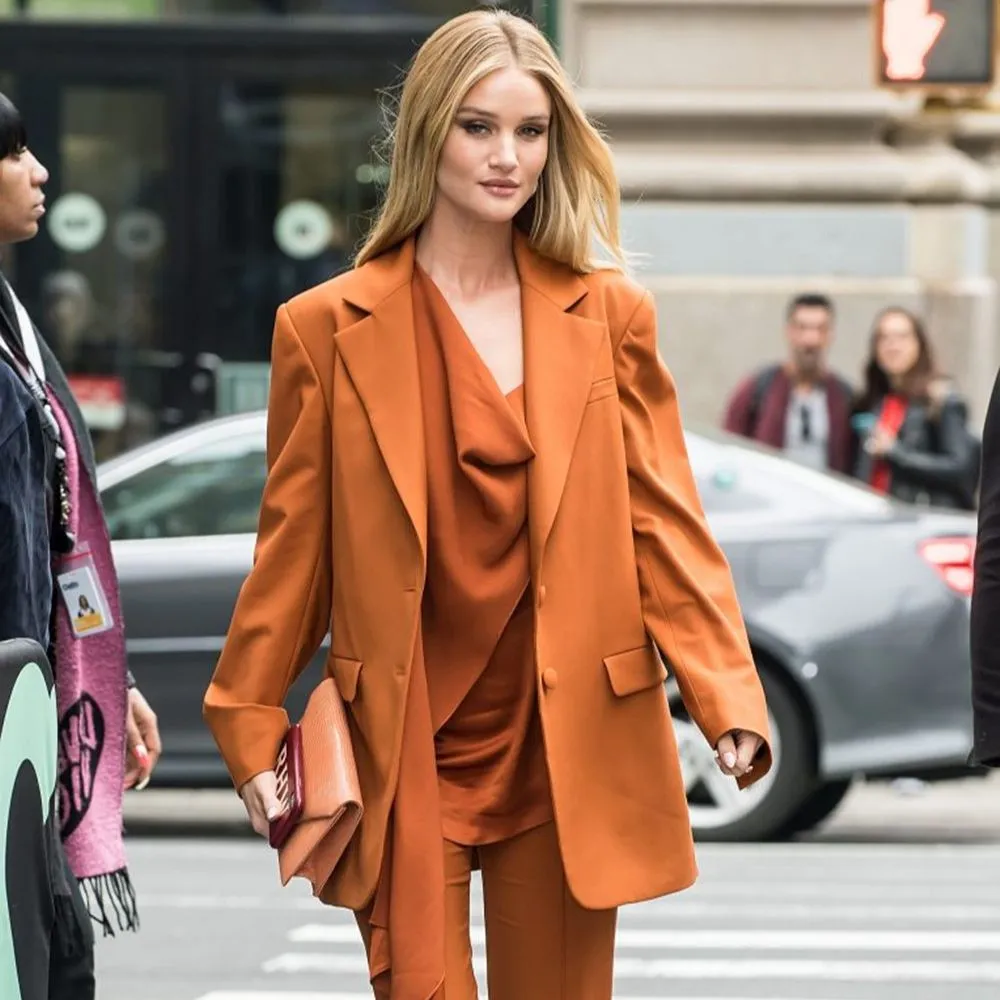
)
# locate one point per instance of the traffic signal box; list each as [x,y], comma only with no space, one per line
[945,47]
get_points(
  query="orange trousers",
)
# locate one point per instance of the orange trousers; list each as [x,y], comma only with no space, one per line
[540,943]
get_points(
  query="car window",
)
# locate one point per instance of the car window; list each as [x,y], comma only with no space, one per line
[212,489]
[737,478]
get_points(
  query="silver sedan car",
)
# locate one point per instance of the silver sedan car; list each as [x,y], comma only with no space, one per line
[857,610]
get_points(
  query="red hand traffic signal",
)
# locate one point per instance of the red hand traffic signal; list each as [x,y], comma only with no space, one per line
[936,44]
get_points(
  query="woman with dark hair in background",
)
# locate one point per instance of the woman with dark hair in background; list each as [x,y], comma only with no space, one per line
[911,423]
[108,736]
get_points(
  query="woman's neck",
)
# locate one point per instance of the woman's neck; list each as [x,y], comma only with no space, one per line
[466,258]
[898,385]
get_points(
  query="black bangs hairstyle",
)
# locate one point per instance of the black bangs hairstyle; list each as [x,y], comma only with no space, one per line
[13,138]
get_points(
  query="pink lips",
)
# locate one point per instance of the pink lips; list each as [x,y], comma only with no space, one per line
[501,189]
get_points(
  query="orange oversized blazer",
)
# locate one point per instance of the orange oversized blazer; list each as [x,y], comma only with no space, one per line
[623,566]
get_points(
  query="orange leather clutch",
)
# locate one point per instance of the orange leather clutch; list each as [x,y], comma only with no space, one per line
[331,805]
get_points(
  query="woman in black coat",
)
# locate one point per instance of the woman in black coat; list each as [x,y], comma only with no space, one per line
[913,438]
[48,494]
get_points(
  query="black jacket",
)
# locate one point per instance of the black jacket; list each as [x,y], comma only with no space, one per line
[935,459]
[25,576]
[985,624]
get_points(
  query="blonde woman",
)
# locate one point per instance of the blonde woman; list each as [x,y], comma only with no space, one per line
[478,483]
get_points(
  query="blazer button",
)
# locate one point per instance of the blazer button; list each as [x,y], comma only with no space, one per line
[549,678]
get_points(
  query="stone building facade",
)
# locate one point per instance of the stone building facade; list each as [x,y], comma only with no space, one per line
[759,158]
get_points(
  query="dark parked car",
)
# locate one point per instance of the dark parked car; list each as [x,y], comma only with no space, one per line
[857,610]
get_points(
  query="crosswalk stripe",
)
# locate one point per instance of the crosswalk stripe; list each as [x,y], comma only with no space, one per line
[808,969]
[286,995]
[726,939]
[844,891]
[862,915]
[293,995]
[674,910]
[846,970]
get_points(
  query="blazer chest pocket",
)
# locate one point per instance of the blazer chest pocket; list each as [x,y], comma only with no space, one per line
[603,388]
[345,675]
[635,670]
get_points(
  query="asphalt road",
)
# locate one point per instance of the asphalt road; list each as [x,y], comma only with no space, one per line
[896,898]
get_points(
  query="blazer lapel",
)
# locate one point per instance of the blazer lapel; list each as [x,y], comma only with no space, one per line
[560,353]
[380,354]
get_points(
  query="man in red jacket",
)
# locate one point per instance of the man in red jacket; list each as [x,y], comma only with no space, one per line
[800,406]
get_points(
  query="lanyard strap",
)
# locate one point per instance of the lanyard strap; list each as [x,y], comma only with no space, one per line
[34,385]
[28,339]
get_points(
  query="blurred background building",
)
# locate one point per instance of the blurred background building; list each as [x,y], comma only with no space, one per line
[761,158]
[210,158]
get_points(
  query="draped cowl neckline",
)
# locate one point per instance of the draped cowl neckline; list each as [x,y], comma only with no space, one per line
[488,424]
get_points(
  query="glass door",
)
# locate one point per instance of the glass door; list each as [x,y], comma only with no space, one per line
[294,191]
[293,187]
[95,279]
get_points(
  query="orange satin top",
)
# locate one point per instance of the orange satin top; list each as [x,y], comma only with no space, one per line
[473,764]
[477,613]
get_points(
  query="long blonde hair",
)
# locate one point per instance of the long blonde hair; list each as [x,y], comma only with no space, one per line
[577,200]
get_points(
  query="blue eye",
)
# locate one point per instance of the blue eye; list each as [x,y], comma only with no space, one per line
[475,128]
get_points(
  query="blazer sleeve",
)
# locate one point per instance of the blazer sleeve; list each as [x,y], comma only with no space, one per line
[283,610]
[688,597]
[985,616]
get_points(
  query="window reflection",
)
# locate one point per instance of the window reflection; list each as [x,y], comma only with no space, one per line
[210,490]
[295,191]
[103,246]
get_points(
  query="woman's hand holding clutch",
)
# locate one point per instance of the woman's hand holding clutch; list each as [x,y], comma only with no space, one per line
[260,796]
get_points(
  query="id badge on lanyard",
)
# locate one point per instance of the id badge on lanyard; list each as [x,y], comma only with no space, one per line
[80,586]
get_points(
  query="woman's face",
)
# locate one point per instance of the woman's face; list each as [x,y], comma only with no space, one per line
[22,203]
[496,147]
[897,348]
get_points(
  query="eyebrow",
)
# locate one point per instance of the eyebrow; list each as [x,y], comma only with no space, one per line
[482,113]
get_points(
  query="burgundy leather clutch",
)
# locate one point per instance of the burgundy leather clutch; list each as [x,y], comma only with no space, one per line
[291,791]
[320,780]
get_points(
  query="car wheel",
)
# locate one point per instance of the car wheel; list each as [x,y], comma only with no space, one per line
[817,807]
[719,811]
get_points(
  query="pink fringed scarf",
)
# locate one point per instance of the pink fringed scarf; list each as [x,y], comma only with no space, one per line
[91,695]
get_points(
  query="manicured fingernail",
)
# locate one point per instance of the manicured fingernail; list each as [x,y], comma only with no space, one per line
[141,752]
[272,813]
[729,759]
[142,784]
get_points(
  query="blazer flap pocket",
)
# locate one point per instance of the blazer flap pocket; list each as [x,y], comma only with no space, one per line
[602,388]
[345,673]
[635,670]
